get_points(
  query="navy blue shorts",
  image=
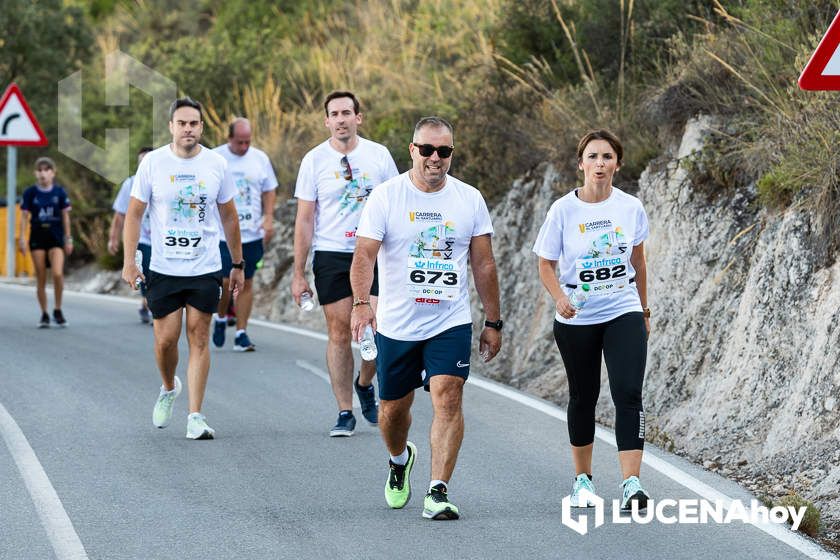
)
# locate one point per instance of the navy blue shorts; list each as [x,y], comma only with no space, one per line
[252,252]
[147,258]
[400,363]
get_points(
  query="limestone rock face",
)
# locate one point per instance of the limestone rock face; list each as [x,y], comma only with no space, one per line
[745,344]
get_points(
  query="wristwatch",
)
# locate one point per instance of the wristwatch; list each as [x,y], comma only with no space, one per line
[240,265]
[646,312]
[494,324]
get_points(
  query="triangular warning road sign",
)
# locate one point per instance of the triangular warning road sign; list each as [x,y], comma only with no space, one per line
[18,126]
[823,70]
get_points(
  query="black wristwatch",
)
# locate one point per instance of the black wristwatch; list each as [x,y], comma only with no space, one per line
[494,324]
[240,265]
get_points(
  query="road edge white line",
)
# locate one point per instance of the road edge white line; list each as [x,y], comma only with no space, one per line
[787,536]
[60,531]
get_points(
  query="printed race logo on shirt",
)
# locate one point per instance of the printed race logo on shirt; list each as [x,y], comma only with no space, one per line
[604,264]
[182,238]
[432,271]
[244,200]
[356,190]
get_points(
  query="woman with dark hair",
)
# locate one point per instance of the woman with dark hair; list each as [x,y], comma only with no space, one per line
[592,262]
[46,207]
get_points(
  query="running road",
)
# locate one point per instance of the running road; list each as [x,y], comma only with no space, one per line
[84,475]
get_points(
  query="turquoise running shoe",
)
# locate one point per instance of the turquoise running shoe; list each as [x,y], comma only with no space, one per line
[582,482]
[398,486]
[632,492]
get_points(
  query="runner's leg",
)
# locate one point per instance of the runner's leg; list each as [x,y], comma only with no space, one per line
[198,368]
[447,430]
[39,259]
[339,351]
[167,332]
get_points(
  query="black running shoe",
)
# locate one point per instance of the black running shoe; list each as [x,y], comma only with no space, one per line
[59,319]
[44,323]
[367,399]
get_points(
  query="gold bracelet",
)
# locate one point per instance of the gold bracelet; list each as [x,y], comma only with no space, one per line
[359,301]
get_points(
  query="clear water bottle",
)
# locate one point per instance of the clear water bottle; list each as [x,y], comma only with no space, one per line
[579,296]
[367,346]
[138,260]
[306,302]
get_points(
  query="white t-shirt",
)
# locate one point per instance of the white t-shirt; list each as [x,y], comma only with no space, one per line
[182,195]
[121,206]
[253,175]
[339,199]
[592,243]
[423,286]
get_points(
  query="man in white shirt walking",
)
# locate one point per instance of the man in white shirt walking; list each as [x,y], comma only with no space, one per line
[425,227]
[333,184]
[255,185]
[188,190]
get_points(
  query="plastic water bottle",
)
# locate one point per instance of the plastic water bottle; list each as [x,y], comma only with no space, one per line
[138,260]
[578,297]
[306,302]
[367,346]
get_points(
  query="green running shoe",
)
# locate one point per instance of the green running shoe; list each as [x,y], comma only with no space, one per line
[162,414]
[398,486]
[437,505]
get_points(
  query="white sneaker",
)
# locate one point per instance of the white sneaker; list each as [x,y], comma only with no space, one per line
[197,427]
[162,414]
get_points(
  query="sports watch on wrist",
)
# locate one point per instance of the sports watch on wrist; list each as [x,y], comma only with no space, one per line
[494,324]
[240,265]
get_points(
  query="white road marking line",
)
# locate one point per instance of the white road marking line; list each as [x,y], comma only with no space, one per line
[673,472]
[57,524]
[312,368]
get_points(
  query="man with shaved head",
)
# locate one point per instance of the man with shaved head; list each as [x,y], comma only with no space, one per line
[255,183]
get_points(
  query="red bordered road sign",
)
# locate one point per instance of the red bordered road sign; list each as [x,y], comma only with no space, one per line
[18,126]
[823,70]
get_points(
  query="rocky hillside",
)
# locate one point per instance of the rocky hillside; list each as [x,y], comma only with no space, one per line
[743,370]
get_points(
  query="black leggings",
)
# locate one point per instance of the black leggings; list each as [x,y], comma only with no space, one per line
[623,341]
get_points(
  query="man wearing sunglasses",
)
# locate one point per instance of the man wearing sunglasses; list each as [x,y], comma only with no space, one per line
[333,184]
[425,227]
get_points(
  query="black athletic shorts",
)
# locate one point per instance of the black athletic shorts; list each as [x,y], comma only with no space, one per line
[166,294]
[332,276]
[43,238]
[252,252]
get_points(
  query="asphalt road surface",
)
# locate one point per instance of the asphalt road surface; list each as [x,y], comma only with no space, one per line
[84,474]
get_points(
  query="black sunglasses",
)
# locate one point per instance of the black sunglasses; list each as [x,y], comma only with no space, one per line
[426,150]
[346,169]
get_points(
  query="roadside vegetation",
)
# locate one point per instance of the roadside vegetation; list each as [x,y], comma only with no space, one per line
[521,80]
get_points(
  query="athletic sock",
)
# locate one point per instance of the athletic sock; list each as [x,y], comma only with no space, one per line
[240,331]
[401,459]
[434,483]
[220,318]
